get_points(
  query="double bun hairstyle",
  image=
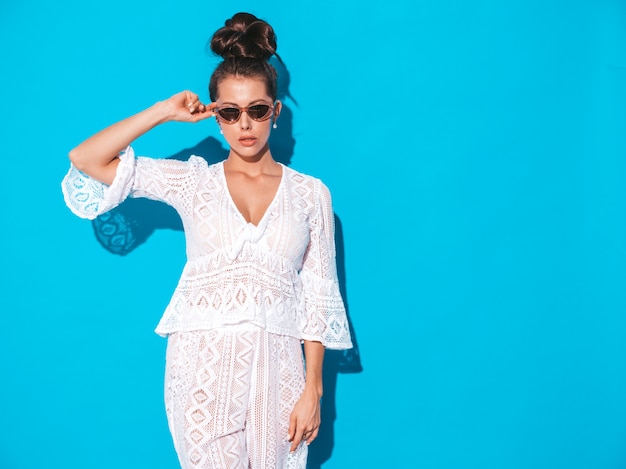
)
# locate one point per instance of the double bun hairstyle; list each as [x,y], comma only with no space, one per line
[246,43]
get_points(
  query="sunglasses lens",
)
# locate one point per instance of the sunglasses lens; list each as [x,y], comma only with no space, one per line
[258,111]
[229,114]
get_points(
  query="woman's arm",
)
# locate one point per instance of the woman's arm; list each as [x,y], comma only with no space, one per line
[98,155]
[305,418]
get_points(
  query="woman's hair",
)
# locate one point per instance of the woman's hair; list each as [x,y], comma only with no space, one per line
[245,43]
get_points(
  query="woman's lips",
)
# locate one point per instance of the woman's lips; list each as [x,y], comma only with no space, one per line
[247,141]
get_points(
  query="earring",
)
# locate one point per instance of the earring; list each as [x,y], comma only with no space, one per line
[221,131]
[275,126]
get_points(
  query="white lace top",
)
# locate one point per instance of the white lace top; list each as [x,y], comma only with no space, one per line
[280,275]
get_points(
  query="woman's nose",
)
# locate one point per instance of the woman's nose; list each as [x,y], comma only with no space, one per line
[245,121]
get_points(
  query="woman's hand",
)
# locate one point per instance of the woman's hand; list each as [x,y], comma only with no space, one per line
[305,419]
[187,107]
[98,155]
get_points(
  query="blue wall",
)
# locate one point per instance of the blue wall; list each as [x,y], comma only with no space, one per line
[476,153]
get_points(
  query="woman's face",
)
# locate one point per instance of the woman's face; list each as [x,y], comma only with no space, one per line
[247,137]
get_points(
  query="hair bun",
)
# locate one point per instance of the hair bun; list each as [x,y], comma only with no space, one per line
[244,35]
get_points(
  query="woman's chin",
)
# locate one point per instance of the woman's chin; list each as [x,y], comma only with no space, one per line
[250,153]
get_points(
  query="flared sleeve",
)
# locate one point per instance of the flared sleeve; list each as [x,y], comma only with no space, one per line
[325,315]
[89,198]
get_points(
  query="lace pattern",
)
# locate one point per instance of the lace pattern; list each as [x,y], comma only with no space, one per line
[280,275]
[229,394]
[88,198]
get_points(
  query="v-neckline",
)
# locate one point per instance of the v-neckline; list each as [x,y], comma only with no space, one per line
[267,209]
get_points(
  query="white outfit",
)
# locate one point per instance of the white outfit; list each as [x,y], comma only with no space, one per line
[262,289]
[228,396]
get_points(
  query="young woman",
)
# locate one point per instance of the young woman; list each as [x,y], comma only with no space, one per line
[260,284]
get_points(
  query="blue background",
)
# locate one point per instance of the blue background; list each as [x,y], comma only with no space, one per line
[476,156]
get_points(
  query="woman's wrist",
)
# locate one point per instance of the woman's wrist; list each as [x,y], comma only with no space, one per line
[314,387]
[161,112]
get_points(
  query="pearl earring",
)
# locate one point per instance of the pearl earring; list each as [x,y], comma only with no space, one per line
[275,126]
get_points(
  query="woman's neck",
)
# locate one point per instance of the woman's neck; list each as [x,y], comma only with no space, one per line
[262,163]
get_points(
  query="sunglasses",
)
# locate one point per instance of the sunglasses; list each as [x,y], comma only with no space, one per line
[257,112]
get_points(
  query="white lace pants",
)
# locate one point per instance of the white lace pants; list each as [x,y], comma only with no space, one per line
[229,394]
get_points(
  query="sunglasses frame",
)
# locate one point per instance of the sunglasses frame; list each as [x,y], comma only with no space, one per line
[241,110]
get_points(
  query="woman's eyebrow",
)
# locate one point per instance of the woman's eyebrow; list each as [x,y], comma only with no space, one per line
[251,103]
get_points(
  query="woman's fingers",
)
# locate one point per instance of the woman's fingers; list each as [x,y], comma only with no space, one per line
[206,108]
[193,103]
[189,108]
[298,436]
[310,436]
[190,98]
[304,421]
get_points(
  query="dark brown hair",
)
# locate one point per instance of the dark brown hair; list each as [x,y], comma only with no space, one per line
[245,43]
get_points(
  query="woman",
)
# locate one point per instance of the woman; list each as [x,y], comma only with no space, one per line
[260,283]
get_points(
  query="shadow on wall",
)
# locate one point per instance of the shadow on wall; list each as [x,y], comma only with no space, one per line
[126,227]
[335,362]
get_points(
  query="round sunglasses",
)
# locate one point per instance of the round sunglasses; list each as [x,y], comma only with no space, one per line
[257,112]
